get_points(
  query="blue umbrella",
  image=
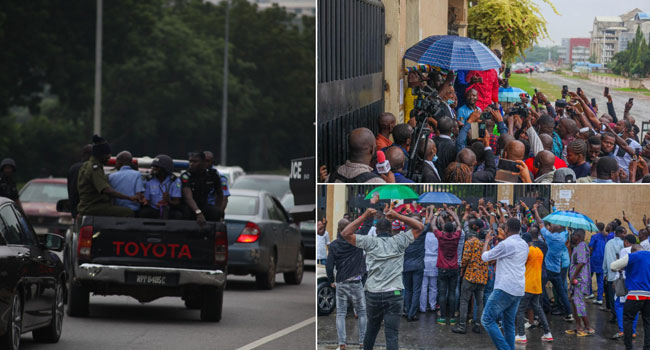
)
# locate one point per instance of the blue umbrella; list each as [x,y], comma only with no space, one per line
[571,219]
[510,94]
[453,52]
[438,198]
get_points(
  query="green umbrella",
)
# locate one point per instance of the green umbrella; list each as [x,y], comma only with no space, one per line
[393,192]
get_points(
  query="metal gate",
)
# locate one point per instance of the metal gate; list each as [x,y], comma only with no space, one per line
[350,73]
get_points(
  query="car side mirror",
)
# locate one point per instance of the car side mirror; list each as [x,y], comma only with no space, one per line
[291,220]
[64,206]
[53,242]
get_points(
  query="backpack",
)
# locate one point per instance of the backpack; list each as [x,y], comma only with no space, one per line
[361,178]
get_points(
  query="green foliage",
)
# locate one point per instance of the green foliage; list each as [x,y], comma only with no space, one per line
[635,60]
[162,81]
[514,25]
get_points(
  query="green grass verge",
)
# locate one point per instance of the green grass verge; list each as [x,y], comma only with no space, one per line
[528,84]
[638,91]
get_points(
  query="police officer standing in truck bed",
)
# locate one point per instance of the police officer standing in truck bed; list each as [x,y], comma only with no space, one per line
[95,191]
[197,185]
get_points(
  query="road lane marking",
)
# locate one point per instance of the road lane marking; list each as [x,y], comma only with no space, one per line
[278,334]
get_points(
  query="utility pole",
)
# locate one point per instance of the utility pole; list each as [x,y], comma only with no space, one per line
[224,108]
[97,116]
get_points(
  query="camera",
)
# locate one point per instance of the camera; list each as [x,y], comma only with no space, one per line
[520,109]
[427,103]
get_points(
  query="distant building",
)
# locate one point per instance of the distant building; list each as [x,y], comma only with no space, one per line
[611,34]
[299,8]
[563,52]
[579,50]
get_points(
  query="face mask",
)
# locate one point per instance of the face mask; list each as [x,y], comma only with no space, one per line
[620,134]
[450,102]
[435,158]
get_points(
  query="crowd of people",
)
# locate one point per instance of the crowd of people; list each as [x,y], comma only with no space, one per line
[471,137]
[200,193]
[492,268]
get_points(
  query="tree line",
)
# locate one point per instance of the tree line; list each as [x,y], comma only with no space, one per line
[635,60]
[162,81]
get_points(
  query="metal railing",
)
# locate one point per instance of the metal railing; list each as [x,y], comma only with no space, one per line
[350,73]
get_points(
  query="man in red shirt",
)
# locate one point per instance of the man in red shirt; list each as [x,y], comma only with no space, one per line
[447,268]
[386,122]
[487,87]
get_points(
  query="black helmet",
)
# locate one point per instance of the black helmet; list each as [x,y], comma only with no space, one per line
[8,161]
[164,161]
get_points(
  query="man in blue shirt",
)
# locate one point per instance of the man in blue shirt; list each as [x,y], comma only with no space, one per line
[470,107]
[127,181]
[162,191]
[209,162]
[556,242]
[597,246]
[612,249]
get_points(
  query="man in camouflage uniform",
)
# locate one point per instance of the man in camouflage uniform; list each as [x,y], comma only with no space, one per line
[95,192]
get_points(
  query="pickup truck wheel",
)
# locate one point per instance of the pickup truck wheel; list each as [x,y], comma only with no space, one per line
[78,300]
[14,327]
[211,305]
[52,332]
[266,279]
[295,277]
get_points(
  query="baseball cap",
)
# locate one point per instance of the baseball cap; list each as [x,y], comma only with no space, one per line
[564,175]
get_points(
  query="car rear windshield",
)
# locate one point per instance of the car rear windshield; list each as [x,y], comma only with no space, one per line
[242,205]
[43,192]
[277,187]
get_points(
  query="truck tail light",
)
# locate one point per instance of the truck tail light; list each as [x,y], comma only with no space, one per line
[249,234]
[221,247]
[85,242]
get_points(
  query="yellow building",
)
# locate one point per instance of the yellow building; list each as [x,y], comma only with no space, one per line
[407,22]
[601,203]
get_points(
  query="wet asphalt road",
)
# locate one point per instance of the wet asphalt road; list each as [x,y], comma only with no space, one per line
[248,315]
[426,334]
[640,111]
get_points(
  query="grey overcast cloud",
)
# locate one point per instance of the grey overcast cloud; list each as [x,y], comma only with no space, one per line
[577,16]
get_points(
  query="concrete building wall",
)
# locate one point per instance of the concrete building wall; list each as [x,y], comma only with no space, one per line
[604,203]
[337,205]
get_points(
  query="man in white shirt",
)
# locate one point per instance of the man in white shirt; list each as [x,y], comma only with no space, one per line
[509,284]
[322,241]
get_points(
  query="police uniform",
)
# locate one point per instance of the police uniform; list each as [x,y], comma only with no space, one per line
[7,185]
[202,185]
[224,187]
[154,192]
[8,188]
[90,184]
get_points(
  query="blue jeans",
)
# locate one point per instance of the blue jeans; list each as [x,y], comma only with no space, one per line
[385,307]
[352,292]
[447,280]
[412,289]
[599,282]
[619,315]
[501,305]
[560,290]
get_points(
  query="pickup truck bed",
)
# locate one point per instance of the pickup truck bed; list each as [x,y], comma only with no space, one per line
[147,259]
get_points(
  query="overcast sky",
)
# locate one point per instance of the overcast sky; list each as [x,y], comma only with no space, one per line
[577,16]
